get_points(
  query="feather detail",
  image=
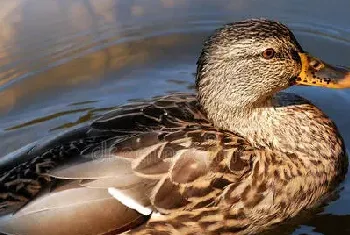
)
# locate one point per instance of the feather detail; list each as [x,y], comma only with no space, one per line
[129,202]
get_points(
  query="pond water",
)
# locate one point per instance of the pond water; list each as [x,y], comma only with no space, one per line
[63,62]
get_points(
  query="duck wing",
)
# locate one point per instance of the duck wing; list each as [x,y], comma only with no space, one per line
[155,156]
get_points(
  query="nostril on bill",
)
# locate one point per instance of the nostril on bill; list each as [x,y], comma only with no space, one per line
[317,65]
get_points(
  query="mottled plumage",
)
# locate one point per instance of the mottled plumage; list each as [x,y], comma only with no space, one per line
[234,159]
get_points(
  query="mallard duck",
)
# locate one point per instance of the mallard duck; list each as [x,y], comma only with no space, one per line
[236,158]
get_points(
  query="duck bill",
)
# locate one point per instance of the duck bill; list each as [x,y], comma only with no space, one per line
[315,72]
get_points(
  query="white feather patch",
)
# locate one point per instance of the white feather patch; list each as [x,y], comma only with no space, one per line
[156,216]
[129,202]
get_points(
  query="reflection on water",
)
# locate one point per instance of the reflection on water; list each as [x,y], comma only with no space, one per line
[64,62]
[87,115]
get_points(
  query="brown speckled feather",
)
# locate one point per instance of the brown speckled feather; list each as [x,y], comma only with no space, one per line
[163,153]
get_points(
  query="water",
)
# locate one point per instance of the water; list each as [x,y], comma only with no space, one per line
[63,62]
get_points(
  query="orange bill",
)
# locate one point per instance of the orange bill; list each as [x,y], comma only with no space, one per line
[317,73]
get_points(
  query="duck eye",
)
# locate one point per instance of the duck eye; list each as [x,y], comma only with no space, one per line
[268,53]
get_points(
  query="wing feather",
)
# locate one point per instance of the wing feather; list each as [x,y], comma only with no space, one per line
[89,217]
[161,155]
[103,167]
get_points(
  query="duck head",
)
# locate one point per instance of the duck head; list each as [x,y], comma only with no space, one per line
[241,69]
[258,58]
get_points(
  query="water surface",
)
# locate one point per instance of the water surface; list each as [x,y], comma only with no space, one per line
[64,62]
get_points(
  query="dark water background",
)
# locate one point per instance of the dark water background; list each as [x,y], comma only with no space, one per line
[63,62]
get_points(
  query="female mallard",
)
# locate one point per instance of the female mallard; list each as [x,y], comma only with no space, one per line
[235,159]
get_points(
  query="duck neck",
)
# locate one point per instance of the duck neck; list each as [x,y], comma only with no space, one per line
[283,122]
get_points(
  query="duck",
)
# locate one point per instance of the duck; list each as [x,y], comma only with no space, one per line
[238,157]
